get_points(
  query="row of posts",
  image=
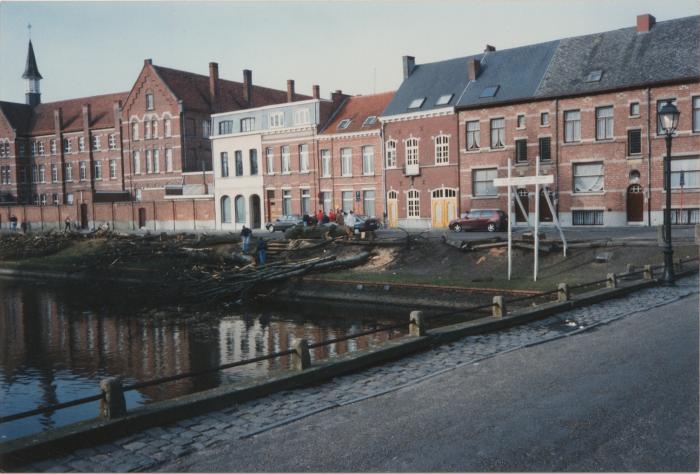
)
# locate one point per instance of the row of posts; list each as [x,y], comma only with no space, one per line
[113,404]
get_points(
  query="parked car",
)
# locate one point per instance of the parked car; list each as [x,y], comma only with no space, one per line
[365,224]
[283,223]
[480,219]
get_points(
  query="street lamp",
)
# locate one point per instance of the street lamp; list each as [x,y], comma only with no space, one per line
[668,116]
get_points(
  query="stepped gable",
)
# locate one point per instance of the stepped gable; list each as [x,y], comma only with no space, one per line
[357,109]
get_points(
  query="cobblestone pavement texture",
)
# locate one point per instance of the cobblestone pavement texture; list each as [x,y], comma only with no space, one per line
[147,450]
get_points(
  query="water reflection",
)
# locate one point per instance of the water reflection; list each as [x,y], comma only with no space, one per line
[56,344]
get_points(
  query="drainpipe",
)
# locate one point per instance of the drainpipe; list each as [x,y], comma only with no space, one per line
[459,167]
[649,157]
[381,148]
[556,145]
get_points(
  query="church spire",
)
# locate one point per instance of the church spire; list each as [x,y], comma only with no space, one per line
[32,77]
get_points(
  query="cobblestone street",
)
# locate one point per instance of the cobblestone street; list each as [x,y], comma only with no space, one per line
[151,448]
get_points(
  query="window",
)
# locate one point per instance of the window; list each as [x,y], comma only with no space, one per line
[444,99]
[305,201]
[240,209]
[345,162]
[270,156]
[696,114]
[545,148]
[68,173]
[370,120]
[253,157]
[345,123]
[685,216]
[685,171]
[238,154]
[442,150]
[303,158]
[112,141]
[168,160]
[391,154]
[301,117]
[82,171]
[521,151]
[367,160]
[20,150]
[347,200]
[412,158]
[154,126]
[325,163]
[248,124]
[659,104]
[206,128]
[413,203]
[36,199]
[81,144]
[98,169]
[225,127]
[594,76]
[34,147]
[156,161]
[287,202]
[137,162]
[149,162]
[416,103]
[482,184]
[587,217]
[276,119]
[634,109]
[604,123]
[224,164]
[96,142]
[69,198]
[41,148]
[149,101]
[35,174]
[139,194]
[368,203]
[572,126]
[473,130]
[147,129]
[167,128]
[43,199]
[588,177]
[225,210]
[490,91]
[54,199]
[498,133]
[52,145]
[54,173]
[286,159]
[634,142]
[112,169]
[67,145]
[544,119]
[134,130]
[520,120]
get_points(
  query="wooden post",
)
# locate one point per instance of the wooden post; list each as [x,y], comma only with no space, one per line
[417,326]
[612,281]
[648,272]
[563,292]
[498,308]
[301,359]
[112,404]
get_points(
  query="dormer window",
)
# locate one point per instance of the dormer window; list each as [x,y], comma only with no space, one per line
[276,119]
[301,117]
[416,103]
[149,101]
[594,76]
[444,99]
[371,120]
[489,91]
[345,123]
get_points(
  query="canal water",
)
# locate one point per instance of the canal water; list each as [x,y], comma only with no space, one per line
[57,343]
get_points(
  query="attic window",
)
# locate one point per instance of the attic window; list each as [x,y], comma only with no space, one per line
[594,76]
[444,99]
[417,103]
[489,91]
[370,120]
[344,124]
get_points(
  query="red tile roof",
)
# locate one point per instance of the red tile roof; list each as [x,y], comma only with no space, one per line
[193,89]
[101,113]
[357,109]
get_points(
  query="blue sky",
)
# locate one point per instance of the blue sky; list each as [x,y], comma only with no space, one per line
[87,48]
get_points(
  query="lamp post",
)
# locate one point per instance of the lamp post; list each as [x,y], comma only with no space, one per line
[668,116]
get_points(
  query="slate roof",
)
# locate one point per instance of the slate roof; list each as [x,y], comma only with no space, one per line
[193,89]
[357,109]
[18,115]
[669,51]
[31,70]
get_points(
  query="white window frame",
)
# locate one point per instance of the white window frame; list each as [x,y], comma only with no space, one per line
[167,127]
[302,116]
[112,141]
[136,162]
[346,161]
[52,146]
[326,163]
[304,158]
[156,161]
[413,204]
[286,159]
[604,124]
[442,150]
[473,135]
[477,178]
[390,154]
[247,124]
[68,172]
[276,119]
[572,126]
[270,160]
[368,160]
[42,174]
[498,134]
[412,152]
[96,142]
[98,169]
[576,174]
[135,130]
[112,169]
[82,171]
[81,144]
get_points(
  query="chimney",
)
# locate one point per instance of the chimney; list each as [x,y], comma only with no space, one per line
[214,86]
[473,67]
[290,90]
[248,86]
[489,49]
[645,23]
[86,117]
[409,64]
[316,91]
[116,109]
[58,120]
[148,62]
[337,98]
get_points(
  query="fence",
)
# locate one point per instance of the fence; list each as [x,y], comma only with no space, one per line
[112,392]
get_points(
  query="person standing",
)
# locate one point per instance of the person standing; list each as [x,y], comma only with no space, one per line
[350,223]
[245,236]
[262,251]
[331,215]
[66,228]
[13,223]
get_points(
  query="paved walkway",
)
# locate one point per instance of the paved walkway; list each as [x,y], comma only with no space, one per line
[151,448]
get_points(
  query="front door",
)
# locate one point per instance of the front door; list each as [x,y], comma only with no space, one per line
[444,206]
[83,216]
[255,211]
[392,207]
[270,203]
[635,203]
[142,217]
[545,211]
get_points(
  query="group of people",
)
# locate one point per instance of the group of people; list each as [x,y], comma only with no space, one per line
[336,216]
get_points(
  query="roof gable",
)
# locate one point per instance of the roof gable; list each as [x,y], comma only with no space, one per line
[101,113]
[357,109]
[17,115]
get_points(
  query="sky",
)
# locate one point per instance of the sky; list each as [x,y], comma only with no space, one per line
[89,48]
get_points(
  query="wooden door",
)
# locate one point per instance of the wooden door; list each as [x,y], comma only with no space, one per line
[444,207]
[270,203]
[392,208]
[83,216]
[635,203]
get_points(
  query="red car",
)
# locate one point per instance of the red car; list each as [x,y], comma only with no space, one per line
[481,219]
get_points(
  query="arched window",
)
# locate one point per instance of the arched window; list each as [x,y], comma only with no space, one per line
[134,130]
[137,163]
[412,152]
[167,127]
[225,210]
[240,210]
[147,129]
[392,195]
[413,201]
[154,124]
[391,154]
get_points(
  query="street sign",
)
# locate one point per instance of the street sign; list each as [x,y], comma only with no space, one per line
[523,180]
